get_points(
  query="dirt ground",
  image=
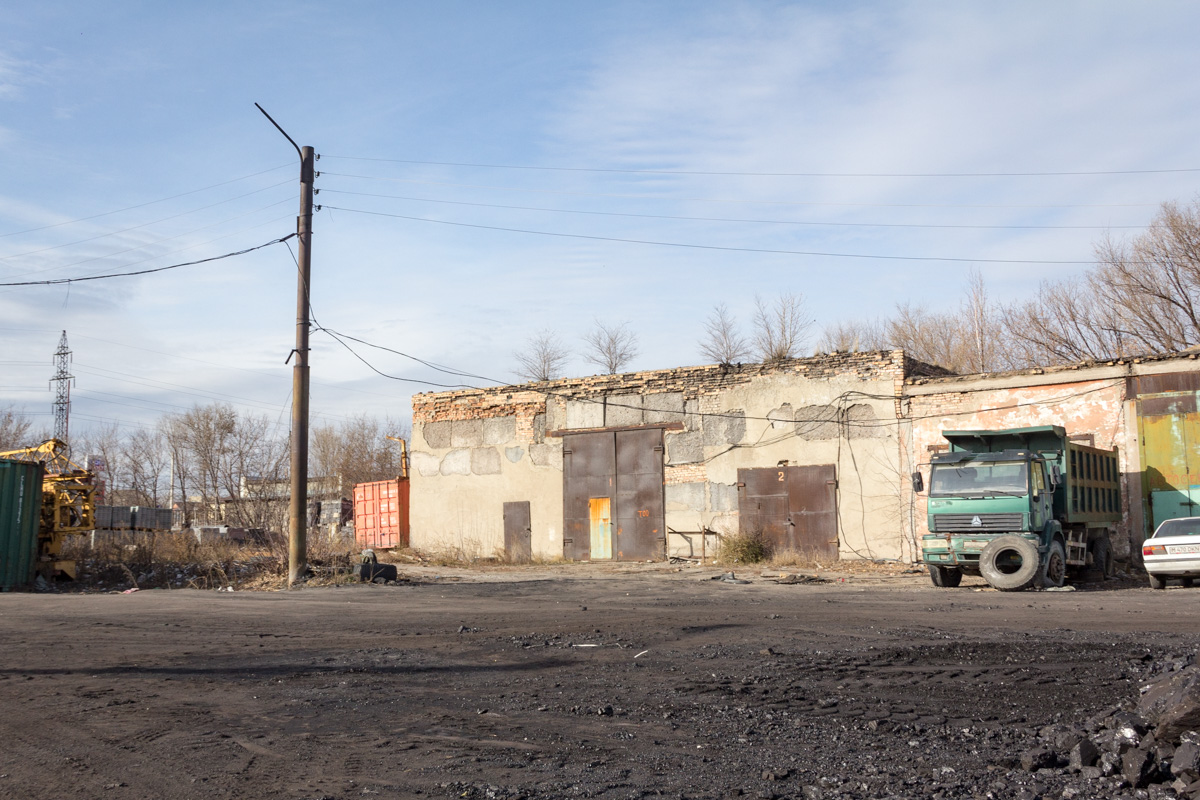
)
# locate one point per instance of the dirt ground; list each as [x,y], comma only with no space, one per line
[576,681]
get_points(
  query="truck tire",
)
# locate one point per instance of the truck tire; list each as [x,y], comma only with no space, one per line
[1101,549]
[1010,563]
[1054,570]
[945,577]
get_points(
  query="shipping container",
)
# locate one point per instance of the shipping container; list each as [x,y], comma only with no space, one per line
[20,516]
[381,514]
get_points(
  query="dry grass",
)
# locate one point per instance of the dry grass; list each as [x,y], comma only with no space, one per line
[176,560]
[744,548]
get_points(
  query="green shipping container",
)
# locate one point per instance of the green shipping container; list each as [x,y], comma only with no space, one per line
[20,513]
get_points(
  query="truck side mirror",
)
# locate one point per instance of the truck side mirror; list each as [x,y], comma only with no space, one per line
[918,483]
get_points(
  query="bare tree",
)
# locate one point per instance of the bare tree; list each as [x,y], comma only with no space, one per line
[610,346]
[1143,296]
[14,429]
[357,450]
[543,357]
[780,328]
[854,337]
[723,342]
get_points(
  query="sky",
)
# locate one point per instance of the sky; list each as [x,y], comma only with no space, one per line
[489,171]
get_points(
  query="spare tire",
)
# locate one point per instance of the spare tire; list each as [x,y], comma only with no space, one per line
[1101,550]
[1010,563]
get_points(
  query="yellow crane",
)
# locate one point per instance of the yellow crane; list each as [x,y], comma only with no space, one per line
[68,503]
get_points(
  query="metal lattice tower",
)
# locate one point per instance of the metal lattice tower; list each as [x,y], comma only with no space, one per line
[62,394]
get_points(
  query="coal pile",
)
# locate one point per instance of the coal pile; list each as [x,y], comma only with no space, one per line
[1145,748]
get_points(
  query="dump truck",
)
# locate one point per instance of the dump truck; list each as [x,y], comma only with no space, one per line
[1023,507]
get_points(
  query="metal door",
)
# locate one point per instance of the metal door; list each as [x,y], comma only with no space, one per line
[794,508]
[518,531]
[589,465]
[600,529]
[1169,428]
[640,513]
[626,468]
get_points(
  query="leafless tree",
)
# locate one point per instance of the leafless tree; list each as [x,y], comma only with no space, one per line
[543,358]
[723,342]
[14,429]
[1143,296]
[147,463]
[610,346]
[357,451]
[854,337]
[236,465]
[780,328]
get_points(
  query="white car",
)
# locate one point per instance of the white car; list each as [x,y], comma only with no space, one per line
[1173,552]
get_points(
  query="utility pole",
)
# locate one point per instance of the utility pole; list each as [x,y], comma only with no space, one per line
[298,512]
[62,395]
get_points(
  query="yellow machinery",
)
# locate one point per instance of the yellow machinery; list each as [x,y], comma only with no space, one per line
[68,504]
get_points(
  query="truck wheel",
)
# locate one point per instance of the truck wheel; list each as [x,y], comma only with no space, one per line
[1010,563]
[1157,581]
[1055,571]
[1101,549]
[945,577]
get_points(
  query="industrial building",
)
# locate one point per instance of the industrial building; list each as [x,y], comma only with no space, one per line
[814,453]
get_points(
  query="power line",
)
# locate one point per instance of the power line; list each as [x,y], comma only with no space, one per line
[145,245]
[148,224]
[59,281]
[778,174]
[758,202]
[143,205]
[769,251]
[752,221]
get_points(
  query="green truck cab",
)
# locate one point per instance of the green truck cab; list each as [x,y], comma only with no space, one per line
[1022,507]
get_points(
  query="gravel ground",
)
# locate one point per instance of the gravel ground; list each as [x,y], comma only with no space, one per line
[640,681]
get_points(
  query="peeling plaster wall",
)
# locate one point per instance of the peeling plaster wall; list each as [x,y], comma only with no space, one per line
[475,450]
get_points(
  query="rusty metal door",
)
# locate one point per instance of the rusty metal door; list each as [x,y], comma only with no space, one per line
[1169,432]
[641,513]
[589,467]
[795,508]
[626,468]
[518,531]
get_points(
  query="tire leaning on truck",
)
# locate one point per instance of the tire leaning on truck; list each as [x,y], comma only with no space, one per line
[1010,563]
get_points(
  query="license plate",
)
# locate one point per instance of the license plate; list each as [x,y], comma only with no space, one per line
[1183,548]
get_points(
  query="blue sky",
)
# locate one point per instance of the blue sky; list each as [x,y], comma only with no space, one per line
[130,130]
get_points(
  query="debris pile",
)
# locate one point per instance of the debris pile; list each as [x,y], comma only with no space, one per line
[1153,744]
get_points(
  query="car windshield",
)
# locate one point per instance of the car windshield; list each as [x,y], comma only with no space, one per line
[973,478]
[1189,526]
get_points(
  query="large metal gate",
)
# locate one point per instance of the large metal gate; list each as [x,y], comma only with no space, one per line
[613,495]
[1169,431]
[795,508]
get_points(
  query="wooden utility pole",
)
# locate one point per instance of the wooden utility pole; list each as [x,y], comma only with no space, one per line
[298,528]
[298,512]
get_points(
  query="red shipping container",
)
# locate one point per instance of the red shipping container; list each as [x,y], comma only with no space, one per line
[381,514]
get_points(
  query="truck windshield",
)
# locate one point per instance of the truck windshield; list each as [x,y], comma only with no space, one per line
[975,478]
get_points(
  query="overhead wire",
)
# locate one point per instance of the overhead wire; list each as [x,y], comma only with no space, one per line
[627,171]
[722,248]
[808,223]
[154,222]
[60,281]
[737,201]
[143,205]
